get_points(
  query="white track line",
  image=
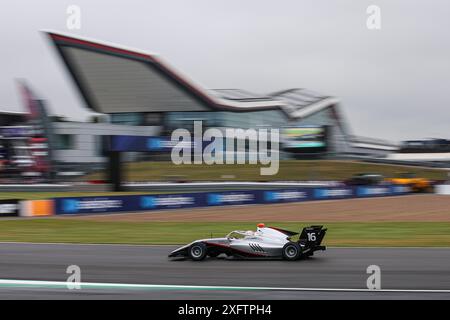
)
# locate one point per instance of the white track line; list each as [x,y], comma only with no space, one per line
[97,285]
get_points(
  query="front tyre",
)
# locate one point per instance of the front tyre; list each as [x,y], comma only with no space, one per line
[197,251]
[291,251]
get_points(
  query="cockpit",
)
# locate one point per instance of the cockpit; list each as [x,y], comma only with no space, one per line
[239,234]
[261,232]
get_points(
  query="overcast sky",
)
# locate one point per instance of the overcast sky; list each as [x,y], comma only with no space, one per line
[393,83]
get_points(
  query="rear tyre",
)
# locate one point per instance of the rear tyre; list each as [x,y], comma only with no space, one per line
[197,251]
[291,251]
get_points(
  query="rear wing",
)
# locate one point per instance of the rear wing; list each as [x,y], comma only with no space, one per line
[312,236]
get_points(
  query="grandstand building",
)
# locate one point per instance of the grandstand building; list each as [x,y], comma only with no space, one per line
[141,95]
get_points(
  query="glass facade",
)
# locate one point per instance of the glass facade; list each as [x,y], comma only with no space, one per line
[276,118]
[64,141]
[132,118]
[227,119]
[321,118]
[137,118]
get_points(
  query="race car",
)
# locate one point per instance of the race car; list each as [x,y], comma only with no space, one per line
[417,184]
[265,242]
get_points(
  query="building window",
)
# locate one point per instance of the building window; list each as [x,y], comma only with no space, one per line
[64,141]
[131,119]
[101,145]
[153,119]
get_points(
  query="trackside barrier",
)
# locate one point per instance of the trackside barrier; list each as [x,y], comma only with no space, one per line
[86,205]
[9,208]
[37,208]
[442,189]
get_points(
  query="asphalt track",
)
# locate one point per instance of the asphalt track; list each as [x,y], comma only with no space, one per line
[336,268]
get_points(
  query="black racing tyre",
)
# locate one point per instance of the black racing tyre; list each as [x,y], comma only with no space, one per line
[197,251]
[291,251]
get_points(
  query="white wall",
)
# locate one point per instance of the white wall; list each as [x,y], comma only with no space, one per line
[85,149]
[443,189]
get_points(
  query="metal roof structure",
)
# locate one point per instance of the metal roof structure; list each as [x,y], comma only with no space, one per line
[239,95]
[14,113]
[115,79]
[300,103]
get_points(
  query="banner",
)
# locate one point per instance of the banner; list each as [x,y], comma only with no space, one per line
[171,201]
[127,203]
[141,144]
[9,208]
[37,208]
[290,195]
[148,202]
[232,198]
[333,193]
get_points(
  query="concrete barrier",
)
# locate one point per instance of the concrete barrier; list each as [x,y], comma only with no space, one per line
[443,189]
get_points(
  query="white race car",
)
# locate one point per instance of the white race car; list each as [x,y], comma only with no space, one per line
[265,242]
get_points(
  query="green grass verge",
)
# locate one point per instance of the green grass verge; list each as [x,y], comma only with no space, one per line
[66,230]
[48,195]
[289,170]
